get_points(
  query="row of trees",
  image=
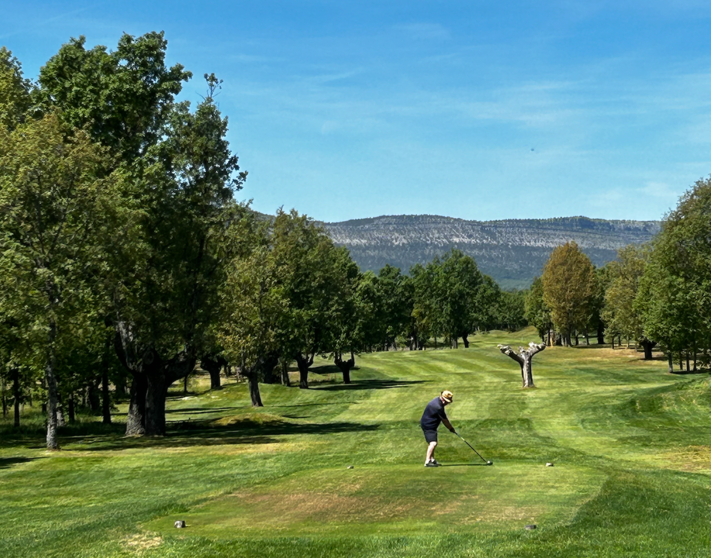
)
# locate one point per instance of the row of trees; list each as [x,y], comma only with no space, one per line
[125,260]
[656,295]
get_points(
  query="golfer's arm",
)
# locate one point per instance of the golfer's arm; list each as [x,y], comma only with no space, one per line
[448,424]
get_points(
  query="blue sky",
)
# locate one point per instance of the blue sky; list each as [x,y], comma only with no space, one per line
[471,109]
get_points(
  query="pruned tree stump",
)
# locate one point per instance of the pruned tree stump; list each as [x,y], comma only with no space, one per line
[524,357]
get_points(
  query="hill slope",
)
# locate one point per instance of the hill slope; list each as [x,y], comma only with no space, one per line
[511,251]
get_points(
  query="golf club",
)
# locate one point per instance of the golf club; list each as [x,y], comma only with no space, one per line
[467,443]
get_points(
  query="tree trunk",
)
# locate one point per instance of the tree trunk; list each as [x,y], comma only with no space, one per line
[304,363]
[71,411]
[121,386]
[285,373]
[4,399]
[52,393]
[268,377]
[253,381]
[600,333]
[156,392]
[671,363]
[465,340]
[215,379]
[213,365]
[61,422]
[93,396]
[524,357]
[135,420]
[16,394]
[345,366]
[105,397]
[648,345]
[527,372]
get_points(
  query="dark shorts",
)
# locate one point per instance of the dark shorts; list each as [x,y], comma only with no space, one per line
[430,435]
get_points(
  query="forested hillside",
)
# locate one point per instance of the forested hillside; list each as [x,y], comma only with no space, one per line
[511,251]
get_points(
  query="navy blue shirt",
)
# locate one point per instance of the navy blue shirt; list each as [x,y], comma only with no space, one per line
[433,415]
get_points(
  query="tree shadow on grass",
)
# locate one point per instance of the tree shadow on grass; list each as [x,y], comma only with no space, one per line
[7,462]
[370,384]
[328,369]
[199,410]
[206,433]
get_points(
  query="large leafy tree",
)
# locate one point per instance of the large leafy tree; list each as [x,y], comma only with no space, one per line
[512,310]
[568,289]
[166,261]
[54,197]
[307,264]
[394,306]
[353,314]
[169,281]
[487,307]
[457,283]
[124,96]
[675,291]
[619,312]
[255,308]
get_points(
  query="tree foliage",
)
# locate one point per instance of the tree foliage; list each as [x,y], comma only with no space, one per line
[675,290]
[568,288]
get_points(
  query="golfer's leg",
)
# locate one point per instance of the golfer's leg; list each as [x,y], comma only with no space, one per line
[430,451]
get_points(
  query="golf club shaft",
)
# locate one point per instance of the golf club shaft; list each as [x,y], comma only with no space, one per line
[467,443]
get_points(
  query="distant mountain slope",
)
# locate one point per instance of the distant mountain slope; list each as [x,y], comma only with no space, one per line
[512,251]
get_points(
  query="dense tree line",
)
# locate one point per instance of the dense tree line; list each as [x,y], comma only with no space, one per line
[657,295]
[125,260]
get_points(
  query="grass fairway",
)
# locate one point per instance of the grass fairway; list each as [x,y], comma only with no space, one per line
[631,446]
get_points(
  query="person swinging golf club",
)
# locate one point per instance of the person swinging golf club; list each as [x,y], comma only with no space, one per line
[434,414]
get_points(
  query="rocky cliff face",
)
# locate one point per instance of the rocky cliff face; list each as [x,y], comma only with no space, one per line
[512,251]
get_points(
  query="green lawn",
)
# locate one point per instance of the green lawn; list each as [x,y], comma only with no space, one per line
[631,446]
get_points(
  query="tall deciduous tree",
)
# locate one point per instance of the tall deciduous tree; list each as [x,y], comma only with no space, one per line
[53,200]
[619,311]
[675,291]
[305,259]
[255,309]
[569,288]
[170,279]
[124,97]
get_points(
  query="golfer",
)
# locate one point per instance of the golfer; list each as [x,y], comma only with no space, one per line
[433,415]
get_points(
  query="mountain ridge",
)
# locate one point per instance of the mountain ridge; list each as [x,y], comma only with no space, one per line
[512,251]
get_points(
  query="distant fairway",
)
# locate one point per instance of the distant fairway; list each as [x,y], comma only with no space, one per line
[631,446]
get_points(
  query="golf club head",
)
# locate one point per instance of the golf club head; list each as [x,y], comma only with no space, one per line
[489,463]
